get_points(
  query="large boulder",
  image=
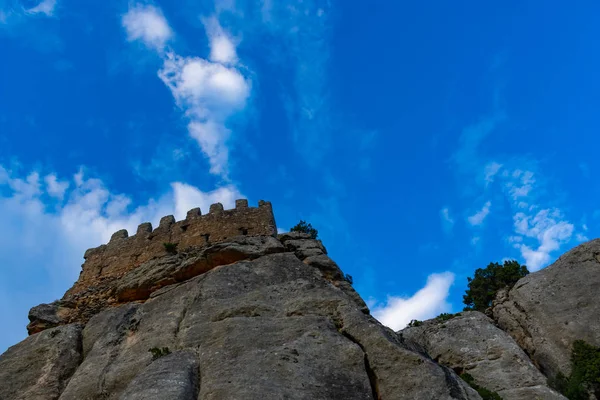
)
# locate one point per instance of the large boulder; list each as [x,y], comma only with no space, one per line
[470,343]
[39,367]
[546,311]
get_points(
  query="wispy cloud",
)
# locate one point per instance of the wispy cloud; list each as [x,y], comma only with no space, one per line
[478,218]
[13,15]
[209,91]
[447,219]
[45,7]
[304,26]
[427,303]
[547,228]
[148,24]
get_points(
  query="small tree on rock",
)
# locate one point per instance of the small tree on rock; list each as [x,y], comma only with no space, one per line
[303,227]
[487,282]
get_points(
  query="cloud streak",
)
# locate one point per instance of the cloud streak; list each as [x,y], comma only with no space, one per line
[428,302]
[478,218]
[208,91]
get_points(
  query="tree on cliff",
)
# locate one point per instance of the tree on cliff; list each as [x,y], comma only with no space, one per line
[303,227]
[487,282]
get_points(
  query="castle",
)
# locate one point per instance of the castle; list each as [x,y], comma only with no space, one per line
[109,265]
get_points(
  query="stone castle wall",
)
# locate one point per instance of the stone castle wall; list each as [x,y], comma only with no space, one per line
[124,253]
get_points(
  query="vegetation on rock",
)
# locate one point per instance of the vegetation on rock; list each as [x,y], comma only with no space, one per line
[487,282]
[585,373]
[304,227]
[415,322]
[349,278]
[170,247]
[158,352]
[483,392]
[443,317]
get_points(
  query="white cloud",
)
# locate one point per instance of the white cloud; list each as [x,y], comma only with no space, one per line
[479,216]
[45,7]
[490,171]
[54,187]
[222,47]
[48,223]
[188,197]
[428,302]
[447,220]
[209,91]
[549,231]
[520,184]
[148,24]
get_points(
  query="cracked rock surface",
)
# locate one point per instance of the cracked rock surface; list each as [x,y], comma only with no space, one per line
[264,325]
[546,311]
[471,343]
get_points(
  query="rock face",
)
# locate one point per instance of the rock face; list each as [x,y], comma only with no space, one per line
[546,311]
[40,366]
[251,316]
[471,343]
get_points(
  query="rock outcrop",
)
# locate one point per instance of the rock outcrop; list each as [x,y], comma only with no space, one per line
[251,316]
[40,366]
[546,311]
[470,343]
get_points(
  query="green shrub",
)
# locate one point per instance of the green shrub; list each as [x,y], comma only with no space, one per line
[487,282]
[585,373]
[349,278]
[170,247]
[445,317]
[414,323]
[303,227]
[158,352]
[483,392]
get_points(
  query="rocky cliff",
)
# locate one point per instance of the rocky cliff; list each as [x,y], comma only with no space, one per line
[531,335]
[219,306]
[192,311]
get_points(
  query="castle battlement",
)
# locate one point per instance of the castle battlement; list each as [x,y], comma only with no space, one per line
[124,253]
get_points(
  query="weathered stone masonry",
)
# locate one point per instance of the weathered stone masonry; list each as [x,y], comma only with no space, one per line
[124,253]
[107,270]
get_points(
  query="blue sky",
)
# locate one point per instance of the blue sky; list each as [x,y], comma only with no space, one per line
[422,140]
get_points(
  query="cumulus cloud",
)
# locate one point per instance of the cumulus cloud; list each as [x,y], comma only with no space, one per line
[45,7]
[48,223]
[209,91]
[428,302]
[479,216]
[148,24]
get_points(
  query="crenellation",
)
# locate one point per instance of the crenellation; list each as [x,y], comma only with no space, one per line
[144,228]
[193,213]
[241,203]
[121,234]
[215,208]
[124,253]
[166,221]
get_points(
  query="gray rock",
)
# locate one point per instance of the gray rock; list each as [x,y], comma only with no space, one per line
[546,311]
[39,367]
[268,328]
[154,274]
[172,377]
[471,343]
[302,245]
